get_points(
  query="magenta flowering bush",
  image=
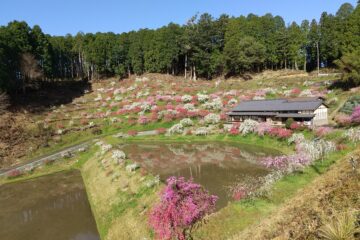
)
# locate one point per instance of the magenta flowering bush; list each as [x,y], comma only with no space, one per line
[183,204]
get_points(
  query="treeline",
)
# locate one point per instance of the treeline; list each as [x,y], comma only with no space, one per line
[204,47]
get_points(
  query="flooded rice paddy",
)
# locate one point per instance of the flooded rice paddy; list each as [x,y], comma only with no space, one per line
[51,207]
[214,165]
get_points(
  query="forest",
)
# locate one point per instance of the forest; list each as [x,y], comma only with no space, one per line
[205,47]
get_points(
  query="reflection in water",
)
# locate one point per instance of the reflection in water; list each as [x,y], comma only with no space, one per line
[53,207]
[214,165]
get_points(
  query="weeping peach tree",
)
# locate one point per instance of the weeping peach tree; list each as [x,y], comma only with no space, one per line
[183,205]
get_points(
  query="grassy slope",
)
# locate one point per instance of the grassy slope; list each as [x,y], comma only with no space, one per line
[240,215]
[120,214]
[119,205]
[301,216]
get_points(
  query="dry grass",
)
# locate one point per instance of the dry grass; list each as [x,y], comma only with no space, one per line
[120,205]
[341,227]
[302,216]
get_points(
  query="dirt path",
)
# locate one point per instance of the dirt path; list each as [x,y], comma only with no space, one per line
[58,155]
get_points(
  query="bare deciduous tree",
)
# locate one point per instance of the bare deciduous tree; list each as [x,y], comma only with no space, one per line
[30,69]
[4,102]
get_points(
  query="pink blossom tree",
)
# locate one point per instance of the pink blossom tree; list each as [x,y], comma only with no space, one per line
[183,204]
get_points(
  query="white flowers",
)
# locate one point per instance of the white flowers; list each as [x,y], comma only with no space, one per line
[132,167]
[232,101]
[186,122]
[186,98]
[353,134]
[315,149]
[189,107]
[118,156]
[105,148]
[202,97]
[248,126]
[212,118]
[201,131]
[296,137]
[216,104]
[176,129]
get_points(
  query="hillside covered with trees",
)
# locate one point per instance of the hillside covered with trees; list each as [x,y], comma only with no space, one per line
[204,47]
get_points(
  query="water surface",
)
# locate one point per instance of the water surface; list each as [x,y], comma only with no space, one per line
[214,165]
[53,207]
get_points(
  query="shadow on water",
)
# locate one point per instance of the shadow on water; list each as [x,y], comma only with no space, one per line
[44,95]
[216,166]
[52,207]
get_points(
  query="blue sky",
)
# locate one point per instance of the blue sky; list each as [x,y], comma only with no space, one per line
[58,17]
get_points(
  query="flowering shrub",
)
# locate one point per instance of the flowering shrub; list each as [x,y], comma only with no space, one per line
[232,101]
[215,104]
[143,120]
[234,130]
[202,97]
[212,118]
[248,126]
[176,129]
[281,133]
[118,156]
[14,173]
[353,134]
[306,153]
[343,119]
[240,192]
[315,149]
[262,128]
[105,148]
[322,131]
[186,98]
[201,131]
[296,138]
[295,126]
[183,203]
[277,162]
[186,122]
[189,107]
[355,116]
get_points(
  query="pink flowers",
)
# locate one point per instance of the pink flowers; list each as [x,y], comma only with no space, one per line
[161,130]
[322,131]
[143,120]
[281,133]
[183,203]
[355,116]
[277,162]
[239,193]
[263,128]
[132,133]
[284,162]
[343,119]
[14,173]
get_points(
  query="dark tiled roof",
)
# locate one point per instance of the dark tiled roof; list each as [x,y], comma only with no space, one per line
[251,113]
[279,105]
